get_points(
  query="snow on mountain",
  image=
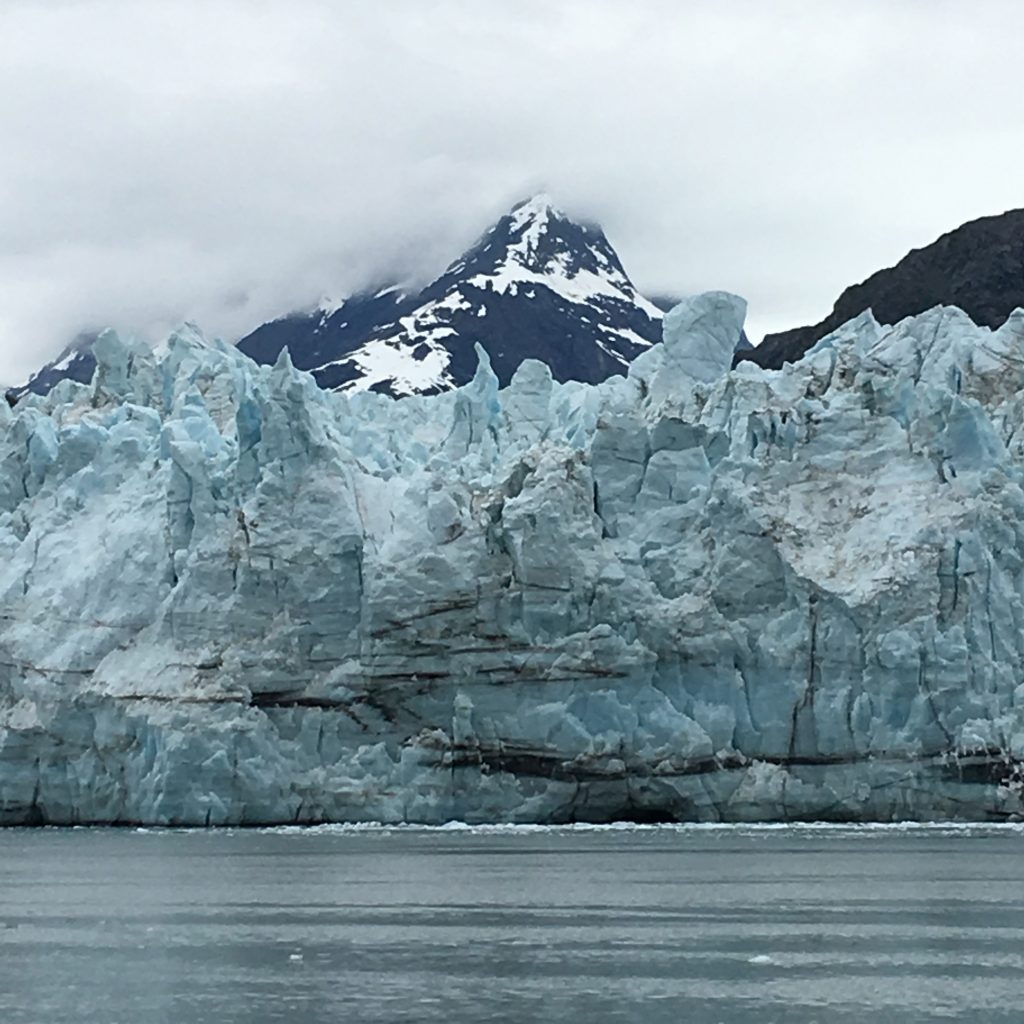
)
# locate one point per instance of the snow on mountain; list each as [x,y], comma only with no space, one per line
[536,285]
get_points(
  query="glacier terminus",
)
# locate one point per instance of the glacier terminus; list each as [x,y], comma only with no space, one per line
[688,593]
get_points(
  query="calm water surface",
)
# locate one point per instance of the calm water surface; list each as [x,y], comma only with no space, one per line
[647,925]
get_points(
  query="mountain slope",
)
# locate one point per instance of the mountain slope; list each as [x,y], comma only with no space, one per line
[979,267]
[536,285]
[76,362]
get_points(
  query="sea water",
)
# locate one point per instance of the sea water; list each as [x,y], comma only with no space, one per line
[645,924]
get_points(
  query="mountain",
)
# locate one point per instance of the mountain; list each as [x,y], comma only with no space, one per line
[76,362]
[979,267]
[537,285]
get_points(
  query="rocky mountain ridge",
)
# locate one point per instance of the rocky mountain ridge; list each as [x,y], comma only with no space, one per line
[979,268]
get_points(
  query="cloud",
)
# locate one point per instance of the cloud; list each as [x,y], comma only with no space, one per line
[230,160]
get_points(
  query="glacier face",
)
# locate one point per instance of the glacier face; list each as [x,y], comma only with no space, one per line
[686,594]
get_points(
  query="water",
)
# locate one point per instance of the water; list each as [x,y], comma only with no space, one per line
[690,925]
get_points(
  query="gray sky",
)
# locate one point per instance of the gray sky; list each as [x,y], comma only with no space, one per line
[228,160]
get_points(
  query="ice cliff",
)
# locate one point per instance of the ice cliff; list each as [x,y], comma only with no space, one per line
[686,594]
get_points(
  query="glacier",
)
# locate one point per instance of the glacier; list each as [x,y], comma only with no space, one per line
[685,594]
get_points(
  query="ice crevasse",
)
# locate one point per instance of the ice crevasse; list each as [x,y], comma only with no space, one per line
[690,593]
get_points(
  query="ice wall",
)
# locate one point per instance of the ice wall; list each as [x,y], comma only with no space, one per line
[691,594]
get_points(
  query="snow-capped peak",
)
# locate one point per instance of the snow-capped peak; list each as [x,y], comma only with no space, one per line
[536,244]
[529,220]
[538,206]
[537,233]
[537,284]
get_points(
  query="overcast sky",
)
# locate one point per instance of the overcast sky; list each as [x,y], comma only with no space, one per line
[228,161]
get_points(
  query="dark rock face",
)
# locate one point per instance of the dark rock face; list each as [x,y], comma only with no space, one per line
[978,267]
